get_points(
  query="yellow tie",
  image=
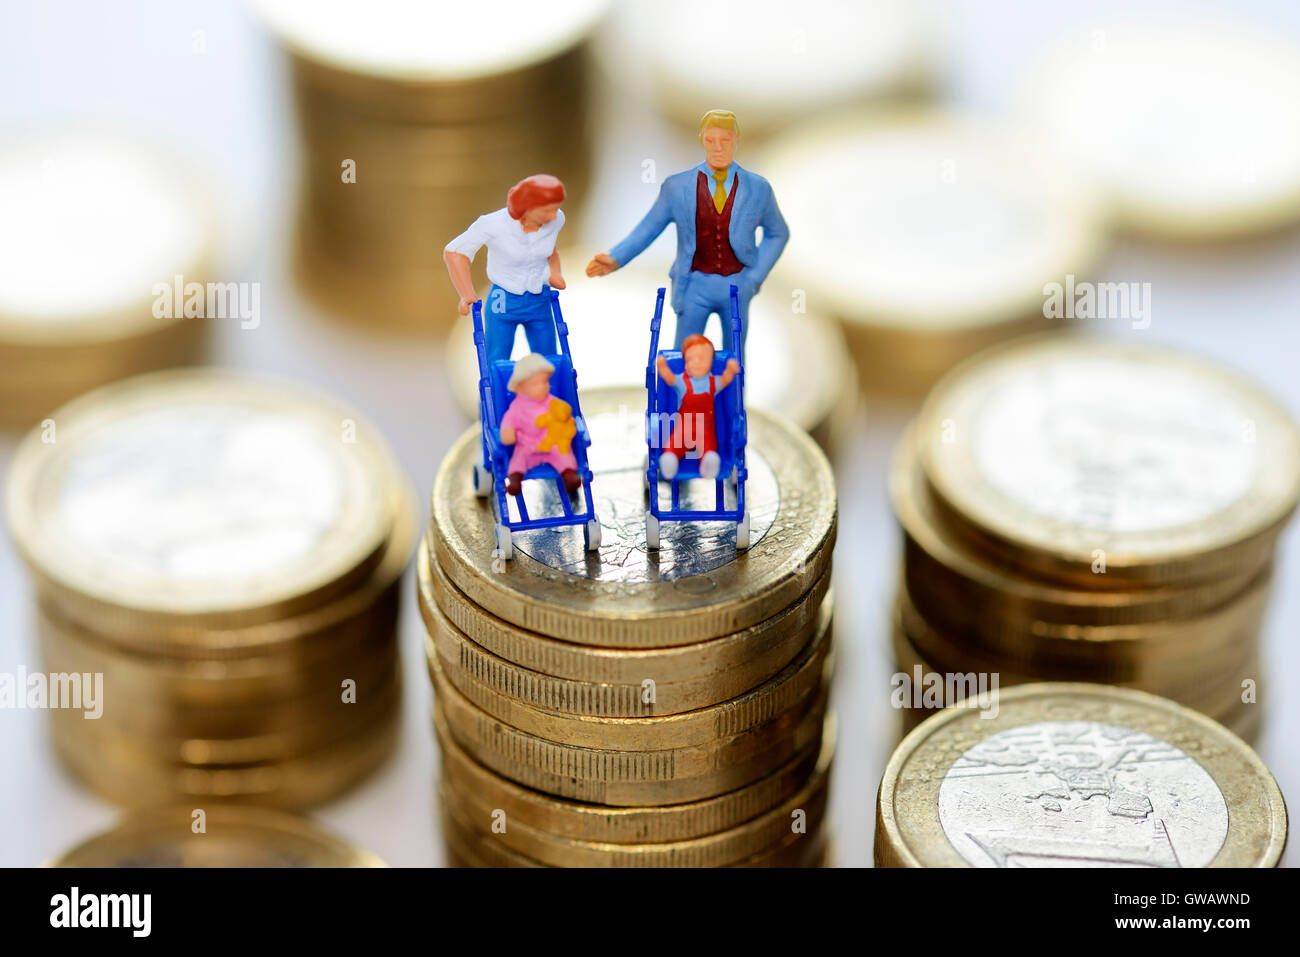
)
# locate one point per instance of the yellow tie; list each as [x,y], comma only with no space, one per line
[720,194]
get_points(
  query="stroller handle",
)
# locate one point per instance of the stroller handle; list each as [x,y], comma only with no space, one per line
[480,347]
[737,340]
[655,321]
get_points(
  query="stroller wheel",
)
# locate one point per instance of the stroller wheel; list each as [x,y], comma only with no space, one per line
[651,531]
[742,532]
[591,535]
[504,545]
[482,481]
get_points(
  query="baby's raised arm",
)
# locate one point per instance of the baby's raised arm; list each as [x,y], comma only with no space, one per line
[728,373]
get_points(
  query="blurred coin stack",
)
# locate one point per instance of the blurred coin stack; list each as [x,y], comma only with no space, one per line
[1077,775]
[929,234]
[784,343]
[634,708]
[415,119]
[783,60]
[1211,100]
[95,226]
[1094,510]
[221,556]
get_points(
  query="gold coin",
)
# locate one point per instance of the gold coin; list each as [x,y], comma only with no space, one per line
[1082,775]
[350,644]
[121,773]
[521,702]
[230,837]
[511,98]
[471,848]
[1215,691]
[138,692]
[725,666]
[795,849]
[622,778]
[695,587]
[187,501]
[1063,452]
[1174,678]
[803,809]
[223,737]
[623,825]
[354,623]
[943,570]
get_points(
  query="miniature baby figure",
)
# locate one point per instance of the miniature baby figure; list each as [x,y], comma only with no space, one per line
[695,391]
[539,425]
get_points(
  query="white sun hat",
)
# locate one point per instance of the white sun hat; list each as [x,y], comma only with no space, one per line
[528,366]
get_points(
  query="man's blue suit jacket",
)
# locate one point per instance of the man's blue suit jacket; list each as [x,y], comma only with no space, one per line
[754,206]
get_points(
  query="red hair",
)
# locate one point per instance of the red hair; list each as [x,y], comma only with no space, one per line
[695,339]
[538,190]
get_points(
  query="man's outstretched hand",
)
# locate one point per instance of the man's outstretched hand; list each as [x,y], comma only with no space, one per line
[602,264]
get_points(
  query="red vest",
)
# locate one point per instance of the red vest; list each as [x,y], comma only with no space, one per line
[713,252]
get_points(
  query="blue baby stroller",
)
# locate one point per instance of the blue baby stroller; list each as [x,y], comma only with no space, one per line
[490,476]
[730,425]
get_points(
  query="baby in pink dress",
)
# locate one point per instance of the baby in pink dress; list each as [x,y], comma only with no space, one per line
[539,426]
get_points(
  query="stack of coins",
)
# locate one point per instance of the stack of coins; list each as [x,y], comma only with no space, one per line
[415,119]
[929,234]
[1094,510]
[656,708]
[219,556]
[96,231]
[219,836]
[1077,775]
[807,374]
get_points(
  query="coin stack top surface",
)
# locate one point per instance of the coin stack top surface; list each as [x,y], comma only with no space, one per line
[95,224]
[225,551]
[1077,775]
[633,707]
[693,589]
[1094,510]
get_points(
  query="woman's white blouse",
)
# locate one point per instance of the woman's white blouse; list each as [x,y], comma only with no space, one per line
[516,260]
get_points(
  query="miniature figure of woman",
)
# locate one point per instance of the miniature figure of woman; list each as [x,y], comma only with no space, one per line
[696,432]
[539,425]
[521,261]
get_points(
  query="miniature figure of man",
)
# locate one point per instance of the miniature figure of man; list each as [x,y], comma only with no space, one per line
[717,208]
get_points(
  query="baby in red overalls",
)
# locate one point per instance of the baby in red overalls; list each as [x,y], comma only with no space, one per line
[696,433]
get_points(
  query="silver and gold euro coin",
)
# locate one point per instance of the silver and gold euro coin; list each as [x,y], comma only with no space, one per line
[1077,775]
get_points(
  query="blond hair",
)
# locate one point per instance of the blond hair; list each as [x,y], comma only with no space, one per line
[723,119]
